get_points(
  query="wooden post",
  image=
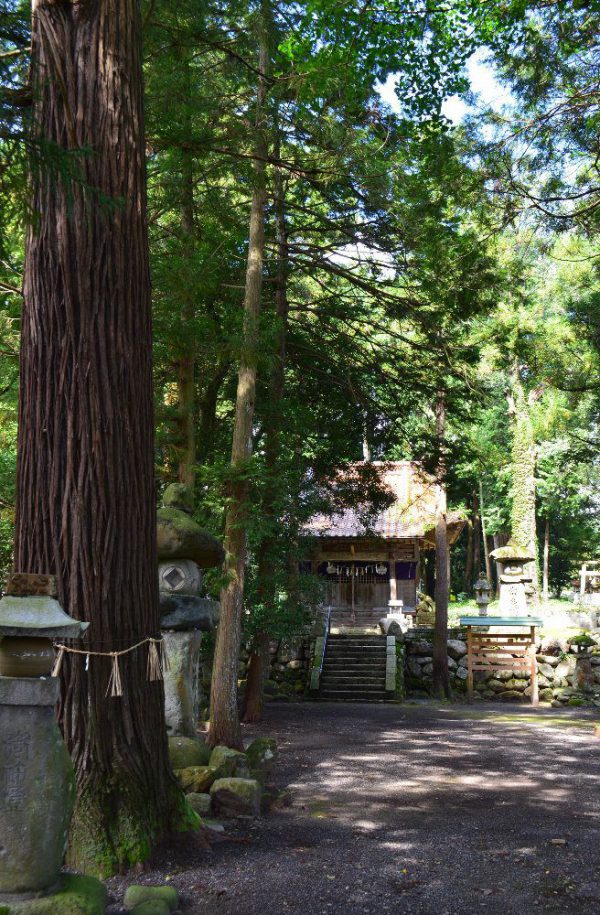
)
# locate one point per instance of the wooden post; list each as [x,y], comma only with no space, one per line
[470,664]
[393,583]
[535,700]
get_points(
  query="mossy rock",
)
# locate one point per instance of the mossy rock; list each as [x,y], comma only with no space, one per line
[575,702]
[262,753]
[76,896]
[197,779]
[200,803]
[546,695]
[138,894]
[180,496]
[179,537]
[236,797]
[188,751]
[229,762]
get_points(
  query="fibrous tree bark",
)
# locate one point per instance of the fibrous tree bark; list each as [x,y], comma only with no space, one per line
[486,548]
[85,508]
[546,568]
[186,363]
[259,657]
[524,465]
[441,681]
[224,718]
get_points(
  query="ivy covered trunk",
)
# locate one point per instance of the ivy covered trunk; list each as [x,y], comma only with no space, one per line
[85,503]
[524,461]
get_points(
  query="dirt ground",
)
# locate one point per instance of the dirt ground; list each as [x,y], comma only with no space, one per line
[426,809]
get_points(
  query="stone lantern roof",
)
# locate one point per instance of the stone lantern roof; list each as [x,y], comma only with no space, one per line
[512,552]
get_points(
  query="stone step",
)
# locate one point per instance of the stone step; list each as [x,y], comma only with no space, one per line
[345,664]
[356,662]
[366,688]
[373,685]
[366,656]
[355,675]
[356,646]
[362,639]
[352,696]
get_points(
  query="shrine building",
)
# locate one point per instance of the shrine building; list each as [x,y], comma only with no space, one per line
[368,570]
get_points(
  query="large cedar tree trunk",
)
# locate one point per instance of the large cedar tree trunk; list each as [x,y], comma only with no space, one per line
[85,497]
[441,682]
[224,718]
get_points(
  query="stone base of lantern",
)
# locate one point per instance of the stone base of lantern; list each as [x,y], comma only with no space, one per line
[37,789]
[182,682]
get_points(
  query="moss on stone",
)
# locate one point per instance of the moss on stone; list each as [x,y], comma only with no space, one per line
[229,762]
[400,688]
[198,778]
[262,753]
[112,828]
[76,896]
[236,797]
[187,751]
[137,894]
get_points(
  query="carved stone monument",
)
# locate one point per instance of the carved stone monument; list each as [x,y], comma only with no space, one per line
[184,549]
[516,579]
[37,788]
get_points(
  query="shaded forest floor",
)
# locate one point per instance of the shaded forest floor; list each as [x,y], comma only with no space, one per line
[419,808]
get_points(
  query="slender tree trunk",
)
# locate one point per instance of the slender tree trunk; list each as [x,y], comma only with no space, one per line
[486,546]
[266,573]
[469,554]
[476,537]
[85,507]
[186,395]
[258,666]
[224,718]
[186,363]
[546,573]
[441,681]
[207,409]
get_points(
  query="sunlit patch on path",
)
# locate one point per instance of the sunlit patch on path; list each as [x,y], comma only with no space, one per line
[416,809]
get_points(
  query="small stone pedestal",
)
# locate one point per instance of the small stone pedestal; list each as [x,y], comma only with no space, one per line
[37,789]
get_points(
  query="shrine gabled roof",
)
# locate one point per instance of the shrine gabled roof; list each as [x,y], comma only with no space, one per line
[412,513]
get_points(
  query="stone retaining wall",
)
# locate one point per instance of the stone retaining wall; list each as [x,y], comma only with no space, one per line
[289,669]
[563,677]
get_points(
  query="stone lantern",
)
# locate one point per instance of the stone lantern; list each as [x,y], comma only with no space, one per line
[37,789]
[516,578]
[184,549]
[483,593]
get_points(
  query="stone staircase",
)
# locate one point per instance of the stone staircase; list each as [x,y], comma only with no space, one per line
[354,669]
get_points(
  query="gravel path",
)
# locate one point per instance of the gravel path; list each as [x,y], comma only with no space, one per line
[411,809]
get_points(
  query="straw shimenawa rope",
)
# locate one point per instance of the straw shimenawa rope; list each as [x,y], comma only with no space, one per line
[157,662]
